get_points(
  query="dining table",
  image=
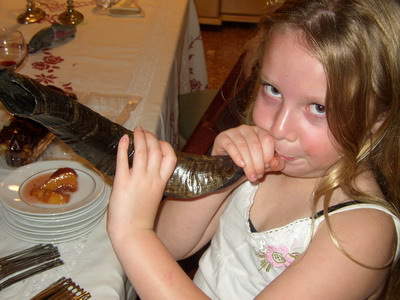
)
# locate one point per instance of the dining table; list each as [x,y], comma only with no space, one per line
[129,68]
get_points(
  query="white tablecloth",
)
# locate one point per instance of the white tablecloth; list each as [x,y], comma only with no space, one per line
[155,57]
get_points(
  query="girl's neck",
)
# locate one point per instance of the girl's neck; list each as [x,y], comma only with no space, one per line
[281,199]
[291,183]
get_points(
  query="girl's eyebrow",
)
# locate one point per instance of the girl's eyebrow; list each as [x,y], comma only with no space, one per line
[264,78]
[310,98]
[267,79]
[262,75]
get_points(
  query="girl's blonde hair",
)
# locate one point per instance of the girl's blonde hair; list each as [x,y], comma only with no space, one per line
[358,44]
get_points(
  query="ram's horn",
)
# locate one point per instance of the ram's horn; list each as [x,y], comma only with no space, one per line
[95,137]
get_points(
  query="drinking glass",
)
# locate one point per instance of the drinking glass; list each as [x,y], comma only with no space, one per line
[105,4]
[13,50]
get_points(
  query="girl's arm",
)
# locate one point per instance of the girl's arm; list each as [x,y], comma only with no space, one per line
[136,193]
[185,226]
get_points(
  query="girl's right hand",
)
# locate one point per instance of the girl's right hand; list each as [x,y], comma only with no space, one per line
[137,191]
[251,148]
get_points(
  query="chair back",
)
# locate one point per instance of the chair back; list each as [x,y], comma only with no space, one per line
[220,115]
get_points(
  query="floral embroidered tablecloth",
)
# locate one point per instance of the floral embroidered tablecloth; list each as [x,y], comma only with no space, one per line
[156,58]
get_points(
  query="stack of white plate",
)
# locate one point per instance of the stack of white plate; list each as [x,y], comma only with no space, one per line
[37,222]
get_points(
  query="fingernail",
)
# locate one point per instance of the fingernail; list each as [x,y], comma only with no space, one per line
[274,163]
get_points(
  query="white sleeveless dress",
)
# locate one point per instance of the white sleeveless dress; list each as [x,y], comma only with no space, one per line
[239,263]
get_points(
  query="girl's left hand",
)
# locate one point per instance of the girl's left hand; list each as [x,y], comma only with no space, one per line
[137,192]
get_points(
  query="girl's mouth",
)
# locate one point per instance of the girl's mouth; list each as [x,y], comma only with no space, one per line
[285,158]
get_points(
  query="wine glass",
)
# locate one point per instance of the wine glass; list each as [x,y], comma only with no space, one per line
[13,50]
[32,14]
[105,4]
[70,16]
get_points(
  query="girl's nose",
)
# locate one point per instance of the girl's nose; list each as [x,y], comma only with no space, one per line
[284,125]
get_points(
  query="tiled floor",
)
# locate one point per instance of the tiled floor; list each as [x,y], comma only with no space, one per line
[223,45]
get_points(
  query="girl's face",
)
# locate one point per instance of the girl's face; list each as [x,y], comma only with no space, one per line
[290,105]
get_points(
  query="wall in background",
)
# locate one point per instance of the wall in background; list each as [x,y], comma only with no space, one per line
[214,12]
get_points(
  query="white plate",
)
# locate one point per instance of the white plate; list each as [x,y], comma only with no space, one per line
[90,187]
[37,238]
[64,225]
[61,230]
[64,217]
[31,232]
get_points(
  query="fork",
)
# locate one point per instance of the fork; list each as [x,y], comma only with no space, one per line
[33,271]
[63,289]
[26,262]
[24,252]
[27,258]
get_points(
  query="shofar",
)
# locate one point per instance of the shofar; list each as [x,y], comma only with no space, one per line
[96,138]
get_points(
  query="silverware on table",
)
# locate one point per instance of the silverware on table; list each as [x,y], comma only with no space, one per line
[33,260]
[64,289]
[27,258]
[33,271]
[22,252]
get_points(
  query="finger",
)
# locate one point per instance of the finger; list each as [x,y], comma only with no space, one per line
[122,166]
[169,160]
[235,142]
[258,151]
[153,151]
[276,164]
[224,145]
[251,149]
[140,157]
[268,147]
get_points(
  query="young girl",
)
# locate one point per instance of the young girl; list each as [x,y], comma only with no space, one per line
[316,216]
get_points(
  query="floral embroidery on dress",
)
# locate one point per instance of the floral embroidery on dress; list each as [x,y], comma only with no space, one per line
[276,257]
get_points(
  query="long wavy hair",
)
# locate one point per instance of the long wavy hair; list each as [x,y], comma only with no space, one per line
[358,44]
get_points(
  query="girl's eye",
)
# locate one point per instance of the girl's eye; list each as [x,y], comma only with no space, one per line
[317,109]
[271,90]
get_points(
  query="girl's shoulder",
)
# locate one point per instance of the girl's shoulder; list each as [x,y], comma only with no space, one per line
[349,255]
[370,220]
[367,232]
